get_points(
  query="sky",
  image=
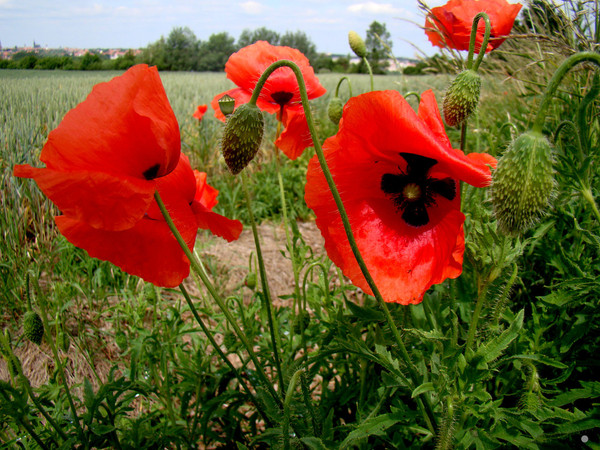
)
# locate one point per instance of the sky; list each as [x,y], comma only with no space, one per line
[137,23]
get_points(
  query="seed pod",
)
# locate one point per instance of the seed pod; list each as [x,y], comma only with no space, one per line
[462,97]
[226,105]
[357,44]
[335,109]
[523,183]
[33,327]
[242,137]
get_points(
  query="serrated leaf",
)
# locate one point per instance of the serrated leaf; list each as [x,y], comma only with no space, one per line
[541,359]
[375,426]
[494,348]
[365,313]
[313,443]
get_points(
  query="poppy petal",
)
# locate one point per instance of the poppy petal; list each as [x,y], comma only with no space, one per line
[122,203]
[200,111]
[450,25]
[245,67]
[296,135]
[147,250]
[125,127]
[409,239]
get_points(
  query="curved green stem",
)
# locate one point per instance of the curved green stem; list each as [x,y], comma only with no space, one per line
[430,418]
[582,121]
[472,41]
[199,269]
[337,88]
[568,64]
[370,72]
[265,284]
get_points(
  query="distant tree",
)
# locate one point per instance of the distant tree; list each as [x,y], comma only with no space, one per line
[181,50]
[213,54]
[155,54]
[124,62]
[300,40]
[248,37]
[90,61]
[378,44]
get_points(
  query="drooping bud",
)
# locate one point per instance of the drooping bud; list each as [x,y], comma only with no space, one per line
[33,327]
[462,97]
[242,137]
[335,109]
[357,44]
[523,183]
[226,105]
[250,280]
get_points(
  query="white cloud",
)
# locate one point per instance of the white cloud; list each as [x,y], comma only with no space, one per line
[251,7]
[374,8]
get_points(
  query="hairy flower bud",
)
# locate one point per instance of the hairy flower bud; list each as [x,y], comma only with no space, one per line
[357,44]
[335,109]
[523,183]
[242,137]
[226,105]
[33,327]
[462,97]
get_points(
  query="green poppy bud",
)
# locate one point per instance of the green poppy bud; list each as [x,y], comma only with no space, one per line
[462,97]
[357,44]
[242,137]
[250,281]
[226,105]
[523,183]
[335,109]
[33,327]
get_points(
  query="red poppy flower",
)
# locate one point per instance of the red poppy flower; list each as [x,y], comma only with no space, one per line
[295,136]
[104,158]
[149,249]
[200,111]
[280,93]
[450,25]
[398,175]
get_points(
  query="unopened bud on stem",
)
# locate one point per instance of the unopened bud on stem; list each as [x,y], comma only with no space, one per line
[242,137]
[523,183]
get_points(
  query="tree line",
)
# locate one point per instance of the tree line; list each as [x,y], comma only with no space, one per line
[181,50]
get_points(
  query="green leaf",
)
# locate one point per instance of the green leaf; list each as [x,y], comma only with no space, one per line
[88,393]
[313,443]
[494,348]
[541,359]
[364,313]
[425,387]
[375,426]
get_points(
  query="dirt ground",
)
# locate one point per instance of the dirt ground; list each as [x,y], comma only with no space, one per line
[228,264]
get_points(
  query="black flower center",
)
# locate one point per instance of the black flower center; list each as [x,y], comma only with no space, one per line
[150,173]
[414,191]
[282,97]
